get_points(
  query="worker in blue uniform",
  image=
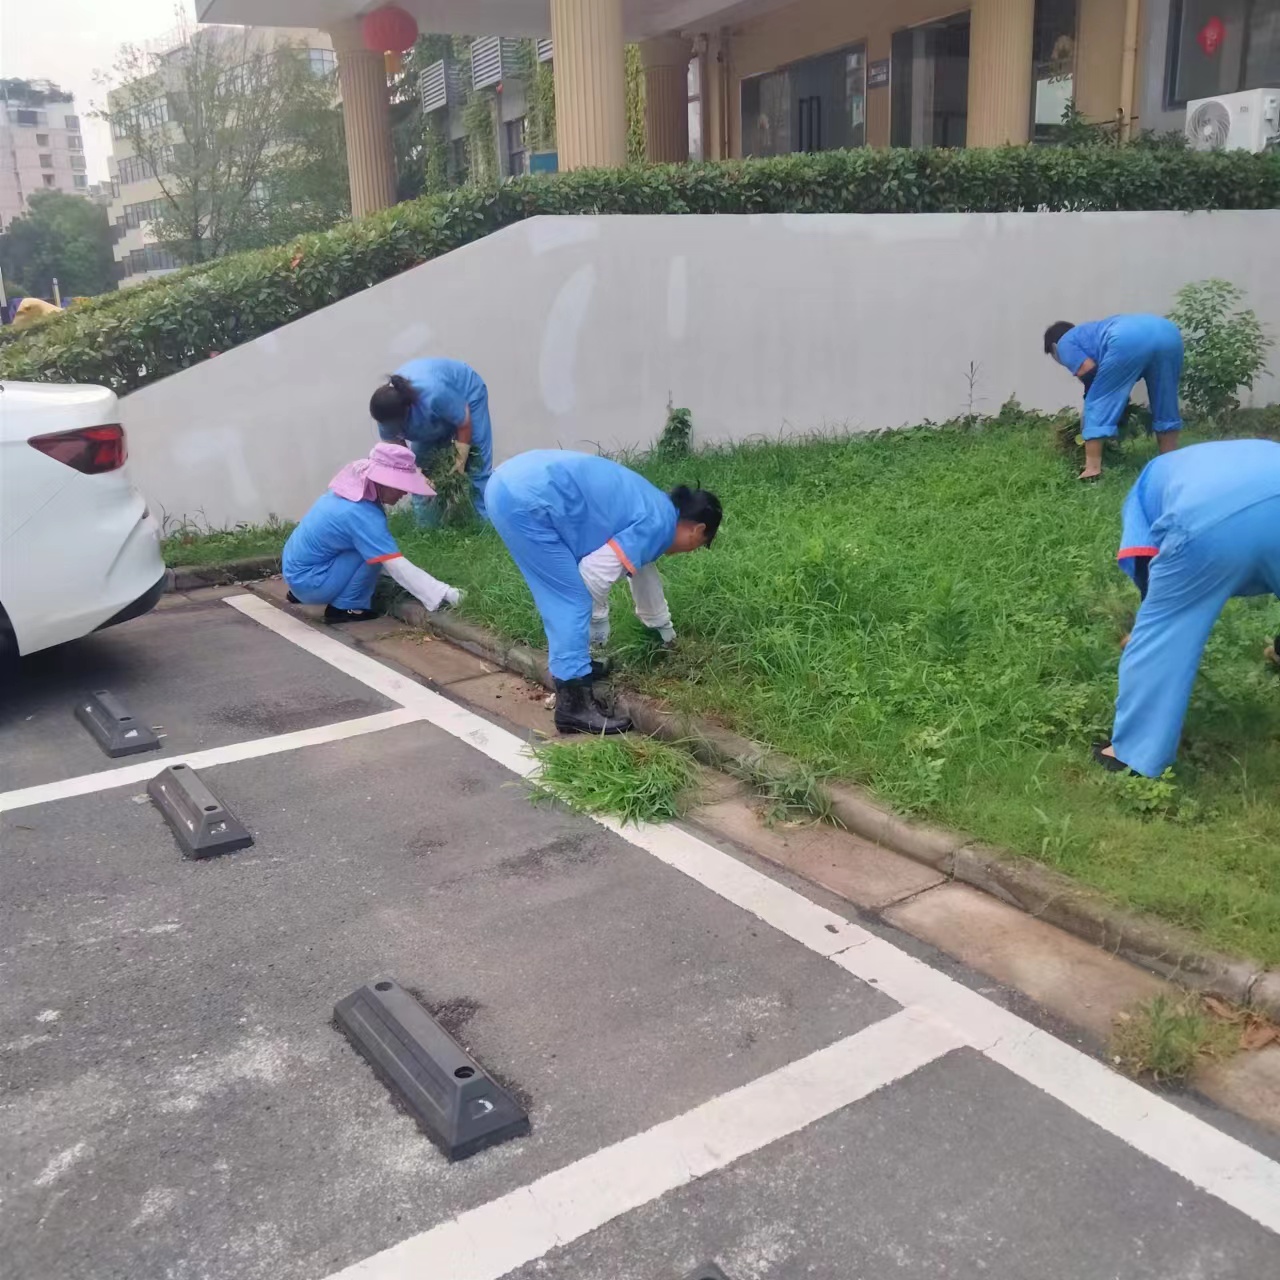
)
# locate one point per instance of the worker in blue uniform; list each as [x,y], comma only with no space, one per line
[575,523]
[428,403]
[1200,526]
[343,544]
[1109,357]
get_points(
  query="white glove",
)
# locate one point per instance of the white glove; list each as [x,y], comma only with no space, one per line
[418,582]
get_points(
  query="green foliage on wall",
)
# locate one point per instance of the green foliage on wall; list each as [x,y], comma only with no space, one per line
[129,339]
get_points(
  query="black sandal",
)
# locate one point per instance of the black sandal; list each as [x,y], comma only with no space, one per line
[1109,763]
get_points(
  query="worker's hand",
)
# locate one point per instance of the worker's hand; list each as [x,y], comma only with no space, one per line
[599,632]
[1124,640]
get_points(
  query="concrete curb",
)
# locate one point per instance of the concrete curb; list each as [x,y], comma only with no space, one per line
[1036,889]
[193,577]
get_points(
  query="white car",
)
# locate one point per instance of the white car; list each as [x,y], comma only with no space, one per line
[79,549]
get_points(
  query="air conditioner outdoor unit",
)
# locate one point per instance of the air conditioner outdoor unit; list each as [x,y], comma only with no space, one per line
[1248,121]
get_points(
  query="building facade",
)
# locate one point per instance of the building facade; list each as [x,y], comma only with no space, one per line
[137,192]
[41,146]
[769,77]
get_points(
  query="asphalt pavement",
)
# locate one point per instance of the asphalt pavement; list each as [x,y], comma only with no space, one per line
[703,1082]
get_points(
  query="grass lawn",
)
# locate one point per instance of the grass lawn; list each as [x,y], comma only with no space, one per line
[189,545]
[937,614]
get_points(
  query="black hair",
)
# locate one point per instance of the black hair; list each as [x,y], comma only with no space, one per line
[1055,333]
[393,400]
[699,506]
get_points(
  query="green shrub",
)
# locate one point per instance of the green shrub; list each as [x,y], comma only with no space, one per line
[131,338]
[677,433]
[1226,349]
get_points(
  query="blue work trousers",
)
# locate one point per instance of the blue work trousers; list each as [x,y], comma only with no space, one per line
[348,583]
[1150,351]
[551,570]
[1191,580]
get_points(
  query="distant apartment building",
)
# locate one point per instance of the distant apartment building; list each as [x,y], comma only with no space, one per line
[138,192]
[41,146]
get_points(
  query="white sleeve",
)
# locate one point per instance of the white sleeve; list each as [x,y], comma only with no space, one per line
[418,582]
[651,601]
[600,570]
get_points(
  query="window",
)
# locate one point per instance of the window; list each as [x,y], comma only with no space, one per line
[929,74]
[42,139]
[144,211]
[72,123]
[136,169]
[323,62]
[1222,46]
[46,161]
[78,164]
[1053,66]
[140,119]
[75,142]
[81,181]
[32,119]
[517,157]
[459,160]
[49,179]
[819,104]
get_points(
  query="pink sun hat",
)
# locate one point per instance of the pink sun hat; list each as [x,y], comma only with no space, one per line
[389,464]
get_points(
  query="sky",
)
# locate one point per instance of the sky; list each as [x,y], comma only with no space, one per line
[70,41]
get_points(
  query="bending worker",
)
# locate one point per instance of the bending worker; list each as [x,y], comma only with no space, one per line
[1109,357]
[1200,526]
[574,524]
[427,403]
[343,543]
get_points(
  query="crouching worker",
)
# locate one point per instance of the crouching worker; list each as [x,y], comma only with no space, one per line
[1110,357]
[574,524]
[1200,526]
[343,543]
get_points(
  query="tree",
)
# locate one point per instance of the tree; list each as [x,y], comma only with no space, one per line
[60,235]
[244,140]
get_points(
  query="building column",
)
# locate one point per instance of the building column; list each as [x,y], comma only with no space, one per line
[591,94]
[1000,48]
[1099,60]
[371,161]
[666,99]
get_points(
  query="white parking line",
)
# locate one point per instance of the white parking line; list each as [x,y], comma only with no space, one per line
[496,1238]
[1209,1159]
[131,774]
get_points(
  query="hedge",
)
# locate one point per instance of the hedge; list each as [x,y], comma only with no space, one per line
[128,339]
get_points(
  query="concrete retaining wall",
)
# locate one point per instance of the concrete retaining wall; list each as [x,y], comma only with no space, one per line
[584,328]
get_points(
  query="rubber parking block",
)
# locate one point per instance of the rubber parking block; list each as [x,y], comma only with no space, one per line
[205,827]
[450,1096]
[113,728]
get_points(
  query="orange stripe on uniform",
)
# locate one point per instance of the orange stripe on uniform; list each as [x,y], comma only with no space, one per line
[1126,553]
[394,555]
[622,555]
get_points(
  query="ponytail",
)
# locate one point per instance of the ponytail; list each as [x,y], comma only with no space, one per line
[699,506]
[393,400]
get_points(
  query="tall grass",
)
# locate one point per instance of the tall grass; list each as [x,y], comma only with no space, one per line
[937,613]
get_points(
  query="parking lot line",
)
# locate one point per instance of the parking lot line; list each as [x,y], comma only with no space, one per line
[489,1241]
[133,774]
[1209,1159]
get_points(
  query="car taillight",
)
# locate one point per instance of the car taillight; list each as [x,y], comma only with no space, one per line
[91,450]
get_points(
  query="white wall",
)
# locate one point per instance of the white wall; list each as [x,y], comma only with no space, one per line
[583,327]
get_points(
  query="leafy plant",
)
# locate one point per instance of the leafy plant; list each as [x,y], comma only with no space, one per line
[633,778]
[131,338]
[677,433]
[1167,1037]
[1226,348]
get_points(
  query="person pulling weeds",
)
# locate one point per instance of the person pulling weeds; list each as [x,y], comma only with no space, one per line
[1200,526]
[343,543]
[574,524]
[433,402]
[1110,357]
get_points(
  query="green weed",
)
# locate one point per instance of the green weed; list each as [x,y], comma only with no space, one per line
[633,778]
[1168,1036]
[194,542]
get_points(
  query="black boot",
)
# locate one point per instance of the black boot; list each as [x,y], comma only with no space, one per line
[332,615]
[578,712]
[601,668]
[291,598]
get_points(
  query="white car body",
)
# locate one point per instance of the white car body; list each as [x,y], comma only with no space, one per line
[79,549]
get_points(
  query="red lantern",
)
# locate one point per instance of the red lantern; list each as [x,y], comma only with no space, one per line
[1211,36]
[388,30]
